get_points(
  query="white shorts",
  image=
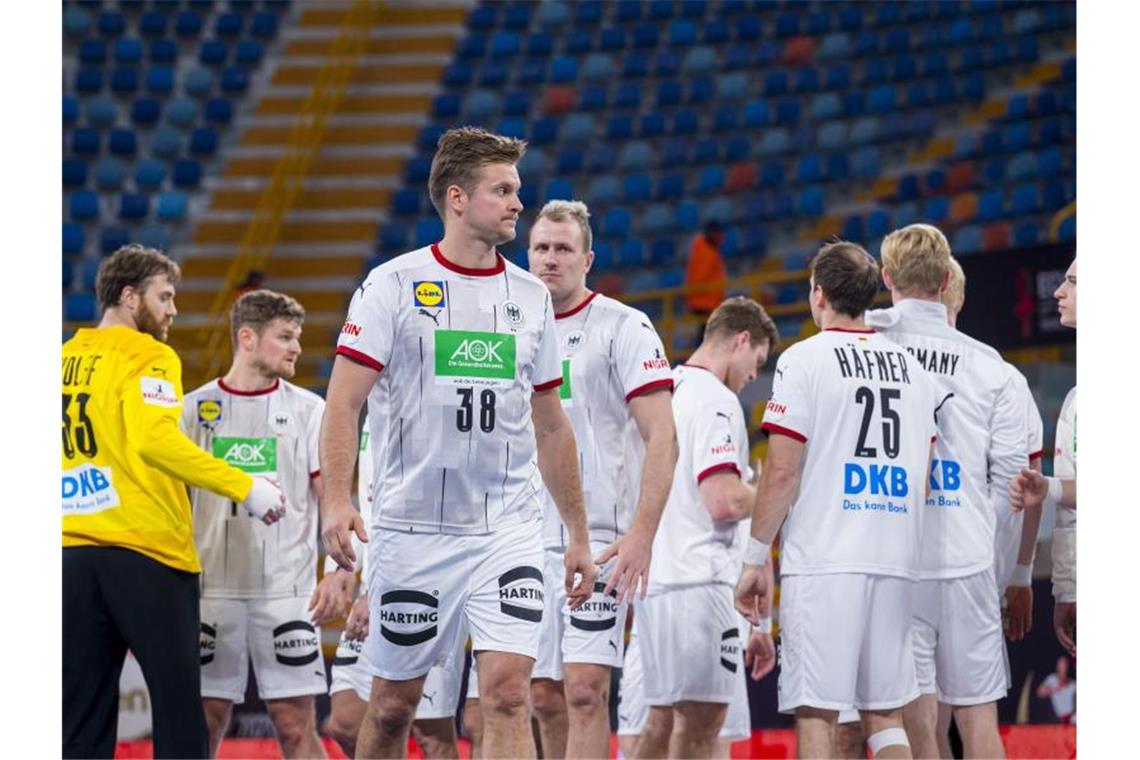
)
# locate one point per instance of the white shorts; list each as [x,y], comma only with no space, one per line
[275,633]
[633,711]
[351,669]
[691,645]
[959,650]
[593,634]
[428,589]
[845,642]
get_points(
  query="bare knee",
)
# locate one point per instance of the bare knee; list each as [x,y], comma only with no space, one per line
[391,715]
[587,690]
[293,720]
[504,686]
[549,701]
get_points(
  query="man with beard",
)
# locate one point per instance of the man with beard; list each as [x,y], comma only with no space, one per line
[260,599]
[130,570]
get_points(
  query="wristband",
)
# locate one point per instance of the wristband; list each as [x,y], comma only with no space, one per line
[1053,495]
[764,626]
[757,552]
[1022,576]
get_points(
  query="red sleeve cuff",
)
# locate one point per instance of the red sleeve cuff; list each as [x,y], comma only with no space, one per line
[548,384]
[656,385]
[360,358]
[1036,455]
[314,474]
[723,466]
[770,428]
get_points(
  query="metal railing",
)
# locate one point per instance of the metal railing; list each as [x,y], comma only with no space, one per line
[305,139]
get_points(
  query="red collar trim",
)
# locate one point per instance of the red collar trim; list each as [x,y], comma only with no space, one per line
[259,392]
[848,330]
[578,308]
[500,264]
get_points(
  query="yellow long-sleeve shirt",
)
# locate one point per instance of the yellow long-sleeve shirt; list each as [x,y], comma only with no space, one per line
[125,461]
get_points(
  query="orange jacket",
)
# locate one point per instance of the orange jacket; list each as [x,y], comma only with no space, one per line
[705,265]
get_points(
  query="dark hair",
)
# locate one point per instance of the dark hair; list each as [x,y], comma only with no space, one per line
[848,276]
[258,308]
[131,267]
[461,153]
[713,226]
[737,314]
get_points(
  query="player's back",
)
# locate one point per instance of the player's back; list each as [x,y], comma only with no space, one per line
[271,433]
[981,435]
[864,410]
[459,352]
[111,496]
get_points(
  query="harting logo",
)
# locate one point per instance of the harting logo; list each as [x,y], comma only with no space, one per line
[599,613]
[295,643]
[408,617]
[730,649]
[347,652]
[207,643]
[520,593]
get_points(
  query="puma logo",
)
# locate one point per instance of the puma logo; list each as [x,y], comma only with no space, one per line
[430,698]
[780,372]
[940,404]
[429,315]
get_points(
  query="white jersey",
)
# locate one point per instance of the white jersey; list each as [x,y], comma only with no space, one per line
[691,548]
[610,355]
[981,436]
[273,433]
[459,352]
[864,410]
[1007,535]
[1064,698]
[1065,455]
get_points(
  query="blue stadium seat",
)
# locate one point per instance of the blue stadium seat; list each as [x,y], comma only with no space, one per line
[715,32]
[578,41]
[76,21]
[809,168]
[128,51]
[101,111]
[483,17]
[834,46]
[662,253]
[619,127]
[772,174]
[702,89]
[122,142]
[1026,200]
[150,173]
[807,80]
[878,223]
[109,174]
[1067,232]
[673,153]
[710,180]
[737,57]
[406,202]
[706,151]
[787,24]
[427,231]
[571,160]
[1026,233]
[493,74]
[155,236]
[852,228]
[635,155]
[564,69]
[905,214]
[967,239]
[73,236]
[553,15]
[738,148]
[628,10]
[788,111]
[112,23]
[634,67]
[74,172]
[111,239]
[153,23]
[628,96]
[755,114]
[263,25]
[864,130]
[559,188]
[79,307]
[604,190]
[671,186]
[68,270]
[203,142]
[652,125]
[658,219]
[687,216]
[538,44]
[832,135]
[682,33]
[826,105]
[1017,137]
[171,206]
[851,17]
[517,15]
[93,52]
[228,24]
[512,126]
[700,60]
[881,99]
[532,165]
[88,80]
[187,173]
[545,130]
[124,81]
[636,188]
[726,118]
[867,44]
[248,52]
[719,209]
[579,128]
[991,205]
[163,51]
[187,24]
[774,142]
[776,83]
[838,76]
[593,98]
[598,67]
[686,121]
[235,80]
[145,112]
[616,222]
[588,12]
[612,39]
[393,237]
[133,206]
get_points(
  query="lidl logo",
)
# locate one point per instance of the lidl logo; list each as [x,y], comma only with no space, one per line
[428,293]
[247,454]
[467,355]
[209,411]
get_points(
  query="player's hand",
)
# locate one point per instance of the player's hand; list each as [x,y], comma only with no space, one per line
[356,629]
[633,552]
[1017,617]
[1065,624]
[578,560]
[1028,489]
[760,654]
[339,519]
[332,597]
[265,500]
[752,593]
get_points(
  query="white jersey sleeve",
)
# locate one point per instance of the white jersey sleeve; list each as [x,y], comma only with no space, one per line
[547,365]
[1007,532]
[790,410]
[639,358]
[368,332]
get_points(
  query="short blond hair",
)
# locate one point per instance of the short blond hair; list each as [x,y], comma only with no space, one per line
[738,314]
[955,295]
[562,211]
[917,258]
[459,156]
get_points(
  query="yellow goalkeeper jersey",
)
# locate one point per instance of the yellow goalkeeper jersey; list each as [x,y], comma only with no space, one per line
[124,458]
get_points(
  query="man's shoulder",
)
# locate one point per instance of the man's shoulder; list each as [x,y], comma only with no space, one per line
[522,277]
[301,396]
[204,389]
[397,265]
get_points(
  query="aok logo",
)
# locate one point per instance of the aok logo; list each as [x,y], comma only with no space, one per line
[520,593]
[247,454]
[599,613]
[408,617]
[295,643]
[464,354]
[730,649]
[478,351]
[881,479]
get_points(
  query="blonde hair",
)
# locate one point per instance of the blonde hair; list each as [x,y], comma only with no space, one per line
[955,295]
[737,314]
[917,258]
[562,211]
[461,153]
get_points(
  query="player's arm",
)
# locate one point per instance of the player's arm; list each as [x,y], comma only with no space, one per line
[348,388]
[1030,489]
[558,463]
[1007,453]
[152,406]
[726,496]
